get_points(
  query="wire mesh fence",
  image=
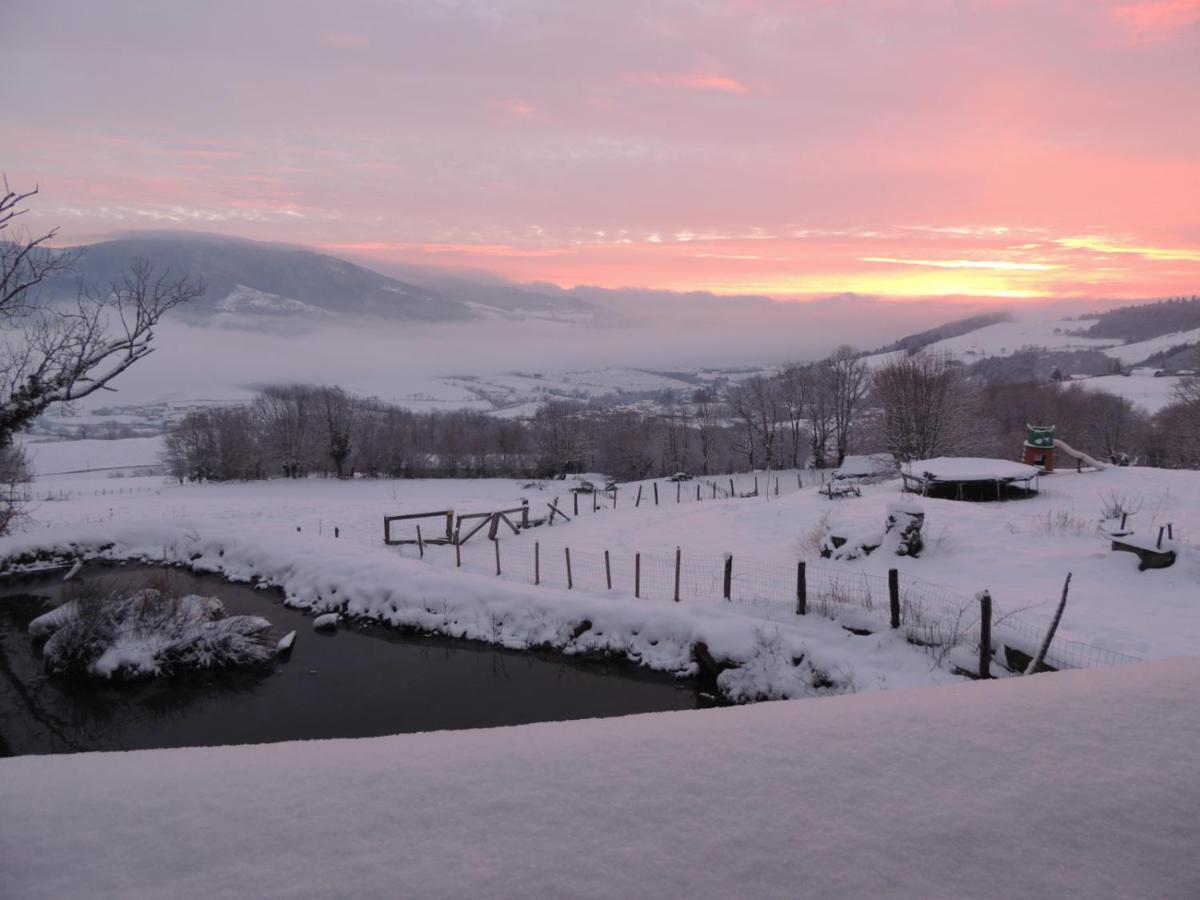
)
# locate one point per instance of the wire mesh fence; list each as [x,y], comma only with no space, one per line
[929,615]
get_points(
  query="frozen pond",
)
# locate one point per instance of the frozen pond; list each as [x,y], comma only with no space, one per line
[361,681]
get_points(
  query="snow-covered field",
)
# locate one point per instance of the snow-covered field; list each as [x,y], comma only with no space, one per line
[1019,551]
[52,458]
[1081,784]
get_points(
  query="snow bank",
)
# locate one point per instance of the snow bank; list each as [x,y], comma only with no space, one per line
[755,659]
[1079,784]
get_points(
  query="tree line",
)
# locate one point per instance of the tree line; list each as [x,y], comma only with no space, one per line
[915,406]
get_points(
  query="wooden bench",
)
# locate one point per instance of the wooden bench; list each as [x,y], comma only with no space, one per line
[1157,554]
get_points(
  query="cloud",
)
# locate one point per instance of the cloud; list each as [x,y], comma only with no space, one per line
[695,81]
[997,264]
[1155,20]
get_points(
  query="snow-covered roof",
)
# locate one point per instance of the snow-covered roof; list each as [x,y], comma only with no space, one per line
[866,466]
[969,468]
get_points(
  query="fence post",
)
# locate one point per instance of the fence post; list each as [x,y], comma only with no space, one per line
[595,501]
[732,492]
[537,563]
[575,499]
[678,489]
[697,490]
[894,595]
[525,513]
[714,487]
[614,498]
[637,575]
[497,544]
[607,570]
[457,551]
[799,483]
[678,560]
[801,589]
[638,501]
[776,485]
[656,493]
[420,543]
[728,576]
[755,485]
[985,634]
[570,583]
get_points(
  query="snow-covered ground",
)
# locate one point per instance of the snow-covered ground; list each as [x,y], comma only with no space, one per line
[50,458]
[1079,784]
[1140,388]
[1020,551]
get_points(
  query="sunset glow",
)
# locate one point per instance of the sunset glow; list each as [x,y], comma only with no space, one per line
[976,149]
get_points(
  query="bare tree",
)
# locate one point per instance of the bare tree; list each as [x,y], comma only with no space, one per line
[704,414]
[928,408]
[793,386]
[54,354]
[338,413]
[843,380]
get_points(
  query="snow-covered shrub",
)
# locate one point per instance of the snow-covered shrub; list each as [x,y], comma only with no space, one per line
[148,633]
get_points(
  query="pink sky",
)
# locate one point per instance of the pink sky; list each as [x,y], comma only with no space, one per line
[923,148]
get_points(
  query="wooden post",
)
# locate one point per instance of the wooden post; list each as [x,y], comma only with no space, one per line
[420,543]
[755,485]
[607,570]
[450,524]
[525,513]
[575,499]
[801,589]
[732,492]
[714,487]
[776,485]
[678,488]
[728,576]
[894,595]
[496,543]
[595,501]
[614,498]
[1036,662]
[799,483]
[697,490]
[678,559]
[638,501]
[656,493]
[457,552]
[570,583]
[537,563]
[637,575]
[985,634]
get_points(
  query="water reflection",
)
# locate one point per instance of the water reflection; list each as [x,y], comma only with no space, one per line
[361,681]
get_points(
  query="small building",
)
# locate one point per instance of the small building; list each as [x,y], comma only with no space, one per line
[868,467]
[970,478]
[1039,447]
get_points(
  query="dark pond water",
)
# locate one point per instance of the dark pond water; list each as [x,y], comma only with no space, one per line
[358,682]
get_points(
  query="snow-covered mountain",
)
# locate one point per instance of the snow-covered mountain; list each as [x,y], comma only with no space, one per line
[252,284]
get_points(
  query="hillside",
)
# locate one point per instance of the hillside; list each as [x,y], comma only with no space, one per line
[249,283]
[1144,321]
